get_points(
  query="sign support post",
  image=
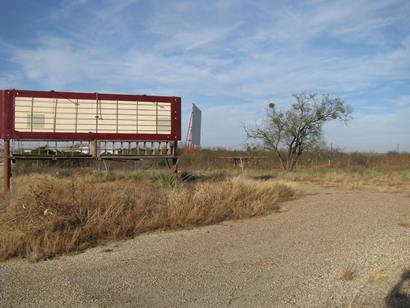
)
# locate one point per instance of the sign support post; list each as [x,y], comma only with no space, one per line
[94,148]
[6,166]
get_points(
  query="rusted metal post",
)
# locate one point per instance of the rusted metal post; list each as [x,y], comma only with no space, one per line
[175,160]
[6,166]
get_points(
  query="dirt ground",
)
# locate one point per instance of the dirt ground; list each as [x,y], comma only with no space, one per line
[330,247]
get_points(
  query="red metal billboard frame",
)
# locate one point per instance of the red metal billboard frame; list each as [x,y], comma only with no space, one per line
[7,110]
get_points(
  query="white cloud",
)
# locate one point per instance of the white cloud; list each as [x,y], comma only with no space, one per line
[252,51]
[56,63]
[189,40]
[269,58]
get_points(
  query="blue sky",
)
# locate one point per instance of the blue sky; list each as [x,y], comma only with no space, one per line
[229,57]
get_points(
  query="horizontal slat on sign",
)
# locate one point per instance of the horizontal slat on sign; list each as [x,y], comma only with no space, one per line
[84,123]
[87,128]
[25,105]
[108,117]
[107,121]
[65,122]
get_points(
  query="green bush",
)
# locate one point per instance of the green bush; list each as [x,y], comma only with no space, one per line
[167,179]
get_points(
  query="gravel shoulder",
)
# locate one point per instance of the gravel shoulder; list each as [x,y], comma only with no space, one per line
[293,258]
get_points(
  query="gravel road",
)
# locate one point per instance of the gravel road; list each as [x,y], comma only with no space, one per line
[293,258]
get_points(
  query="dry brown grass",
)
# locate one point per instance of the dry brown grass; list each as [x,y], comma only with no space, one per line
[217,158]
[47,216]
[355,171]
[404,224]
[365,180]
[378,276]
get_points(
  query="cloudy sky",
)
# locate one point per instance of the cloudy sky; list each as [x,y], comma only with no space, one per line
[230,57]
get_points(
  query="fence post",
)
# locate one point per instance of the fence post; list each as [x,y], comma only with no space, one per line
[94,148]
[6,165]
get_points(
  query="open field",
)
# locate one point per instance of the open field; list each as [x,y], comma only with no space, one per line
[235,235]
[298,257]
[63,210]
[323,159]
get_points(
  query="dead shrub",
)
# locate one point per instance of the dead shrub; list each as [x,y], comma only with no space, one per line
[348,274]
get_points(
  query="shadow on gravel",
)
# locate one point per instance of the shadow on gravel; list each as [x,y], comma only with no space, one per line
[399,295]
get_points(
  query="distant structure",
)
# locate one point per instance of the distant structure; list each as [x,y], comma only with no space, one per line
[193,137]
[100,126]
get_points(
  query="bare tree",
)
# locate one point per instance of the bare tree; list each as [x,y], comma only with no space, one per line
[288,134]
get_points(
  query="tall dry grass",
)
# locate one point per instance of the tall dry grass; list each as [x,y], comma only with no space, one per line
[47,216]
[324,159]
[367,179]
